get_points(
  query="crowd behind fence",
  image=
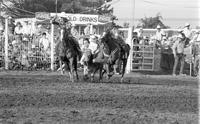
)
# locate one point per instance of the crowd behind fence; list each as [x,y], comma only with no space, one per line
[32,51]
[25,50]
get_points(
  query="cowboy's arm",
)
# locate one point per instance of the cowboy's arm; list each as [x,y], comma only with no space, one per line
[62,34]
[96,49]
[174,48]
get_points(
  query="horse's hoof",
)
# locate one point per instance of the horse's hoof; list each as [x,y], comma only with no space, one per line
[108,77]
[122,80]
[100,81]
[85,78]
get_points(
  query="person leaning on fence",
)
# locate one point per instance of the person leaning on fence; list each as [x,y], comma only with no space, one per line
[87,29]
[159,35]
[178,51]
[74,32]
[196,52]
[44,42]
[18,29]
[139,33]
[16,43]
[27,28]
[187,32]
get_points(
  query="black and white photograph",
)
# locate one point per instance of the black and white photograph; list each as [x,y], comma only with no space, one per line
[99,61]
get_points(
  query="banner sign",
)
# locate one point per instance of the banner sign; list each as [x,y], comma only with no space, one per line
[104,19]
[82,18]
[42,15]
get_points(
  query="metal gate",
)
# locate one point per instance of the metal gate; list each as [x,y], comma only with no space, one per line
[141,58]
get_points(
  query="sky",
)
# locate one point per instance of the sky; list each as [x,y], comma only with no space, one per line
[175,13]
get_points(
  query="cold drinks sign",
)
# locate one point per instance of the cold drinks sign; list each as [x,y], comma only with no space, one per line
[83,18]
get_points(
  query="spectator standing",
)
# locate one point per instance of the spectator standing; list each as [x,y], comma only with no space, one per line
[27,28]
[196,53]
[87,29]
[93,46]
[187,32]
[44,42]
[18,29]
[139,33]
[159,35]
[178,51]
[166,62]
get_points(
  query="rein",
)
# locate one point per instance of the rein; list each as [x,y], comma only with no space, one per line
[113,52]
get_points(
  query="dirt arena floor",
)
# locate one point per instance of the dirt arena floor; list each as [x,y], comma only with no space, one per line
[49,98]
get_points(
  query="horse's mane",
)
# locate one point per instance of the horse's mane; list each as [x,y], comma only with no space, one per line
[68,40]
[108,37]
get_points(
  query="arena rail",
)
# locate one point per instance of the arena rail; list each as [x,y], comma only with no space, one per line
[26,55]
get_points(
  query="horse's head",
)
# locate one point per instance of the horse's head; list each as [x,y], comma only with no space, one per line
[107,36]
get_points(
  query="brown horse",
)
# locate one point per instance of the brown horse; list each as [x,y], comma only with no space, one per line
[68,55]
[116,52]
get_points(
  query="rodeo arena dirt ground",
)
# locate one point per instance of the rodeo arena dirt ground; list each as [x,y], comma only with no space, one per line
[47,97]
[50,98]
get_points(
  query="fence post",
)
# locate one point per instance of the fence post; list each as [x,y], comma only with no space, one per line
[52,47]
[129,61]
[91,29]
[6,44]
[190,47]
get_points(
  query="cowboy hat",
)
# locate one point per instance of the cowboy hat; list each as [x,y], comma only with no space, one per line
[64,19]
[187,24]
[62,14]
[158,27]
[18,23]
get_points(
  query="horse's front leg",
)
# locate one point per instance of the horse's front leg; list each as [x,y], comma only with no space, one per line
[61,67]
[75,68]
[71,71]
[124,62]
[108,66]
[93,73]
[101,74]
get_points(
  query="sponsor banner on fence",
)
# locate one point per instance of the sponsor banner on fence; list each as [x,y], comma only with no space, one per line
[42,15]
[83,18]
[104,19]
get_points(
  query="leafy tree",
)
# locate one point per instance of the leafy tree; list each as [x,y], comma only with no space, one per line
[69,6]
[152,22]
